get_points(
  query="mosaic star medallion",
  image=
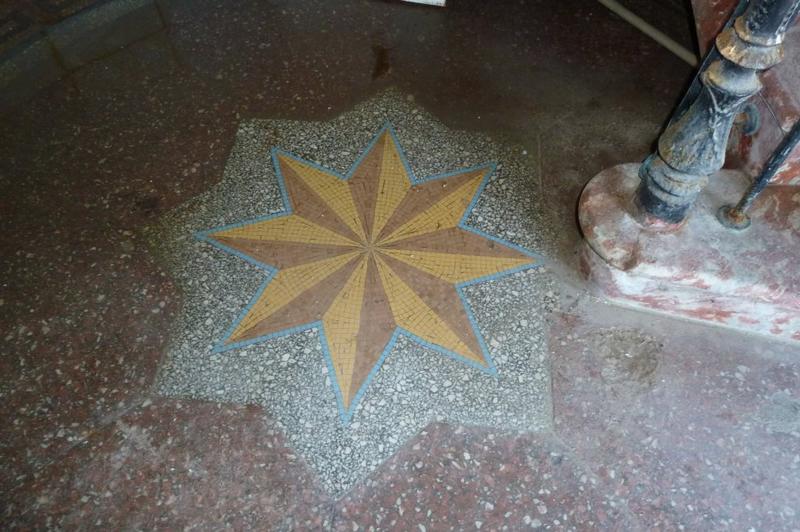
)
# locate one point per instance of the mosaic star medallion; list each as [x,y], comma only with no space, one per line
[365,258]
[369,273]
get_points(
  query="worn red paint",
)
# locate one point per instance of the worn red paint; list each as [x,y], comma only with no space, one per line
[781,321]
[709,17]
[655,302]
[709,314]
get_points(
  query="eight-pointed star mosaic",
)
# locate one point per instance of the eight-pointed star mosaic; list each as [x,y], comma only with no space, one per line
[366,257]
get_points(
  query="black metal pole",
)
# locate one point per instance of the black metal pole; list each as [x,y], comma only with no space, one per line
[693,145]
[736,216]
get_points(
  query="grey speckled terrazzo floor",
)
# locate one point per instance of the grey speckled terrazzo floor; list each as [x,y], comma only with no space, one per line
[415,386]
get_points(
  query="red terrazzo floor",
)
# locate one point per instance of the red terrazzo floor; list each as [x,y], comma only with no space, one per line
[683,423]
[686,438]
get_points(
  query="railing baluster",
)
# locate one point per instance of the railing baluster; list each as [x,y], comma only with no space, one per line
[693,145]
[736,216]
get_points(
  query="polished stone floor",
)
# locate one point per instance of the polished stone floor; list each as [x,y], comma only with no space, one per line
[121,408]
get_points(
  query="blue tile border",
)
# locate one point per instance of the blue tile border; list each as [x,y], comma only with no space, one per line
[346,414]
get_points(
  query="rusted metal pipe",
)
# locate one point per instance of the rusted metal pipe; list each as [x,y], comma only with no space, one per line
[735,217]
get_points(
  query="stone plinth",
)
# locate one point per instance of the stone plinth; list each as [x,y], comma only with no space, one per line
[747,280]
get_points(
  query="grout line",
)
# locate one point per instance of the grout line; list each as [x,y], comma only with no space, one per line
[540,172]
[160,11]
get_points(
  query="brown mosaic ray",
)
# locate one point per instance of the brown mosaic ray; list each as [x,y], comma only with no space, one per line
[282,254]
[307,203]
[375,330]
[315,301]
[442,298]
[365,182]
[457,241]
[420,197]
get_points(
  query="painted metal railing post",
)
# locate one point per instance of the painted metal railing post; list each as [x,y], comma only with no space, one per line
[693,145]
[735,216]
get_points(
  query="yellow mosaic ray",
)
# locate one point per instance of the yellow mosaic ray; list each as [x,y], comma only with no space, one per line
[291,228]
[393,184]
[447,212]
[341,323]
[334,192]
[414,315]
[286,286]
[456,268]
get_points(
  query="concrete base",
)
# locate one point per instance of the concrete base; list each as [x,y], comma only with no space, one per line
[743,279]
